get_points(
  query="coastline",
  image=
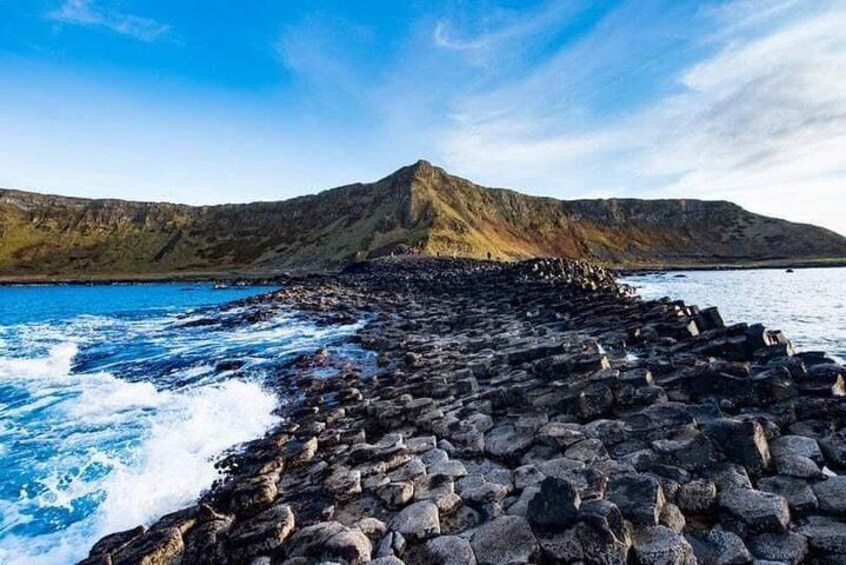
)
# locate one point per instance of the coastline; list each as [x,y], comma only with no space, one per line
[501,384]
[265,277]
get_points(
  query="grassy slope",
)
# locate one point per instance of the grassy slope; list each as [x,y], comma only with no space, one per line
[420,206]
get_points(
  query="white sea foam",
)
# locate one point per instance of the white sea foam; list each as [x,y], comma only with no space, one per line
[174,438]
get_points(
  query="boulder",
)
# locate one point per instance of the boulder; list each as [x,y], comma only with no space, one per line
[826,537]
[754,511]
[720,547]
[263,534]
[506,443]
[349,546]
[743,442]
[156,547]
[800,497]
[786,547]
[690,454]
[659,545]
[114,542]
[640,498]
[831,494]
[833,447]
[585,542]
[396,495]
[697,497]
[444,550]
[418,521]
[555,505]
[507,539]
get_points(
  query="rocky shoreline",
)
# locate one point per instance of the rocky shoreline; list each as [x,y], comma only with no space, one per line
[532,412]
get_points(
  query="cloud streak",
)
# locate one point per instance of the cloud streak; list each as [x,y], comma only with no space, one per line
[760,119]
[87,13]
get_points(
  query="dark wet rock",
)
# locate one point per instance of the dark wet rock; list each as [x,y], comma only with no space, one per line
[639,497]
[754,511]
[833,447]
[348,546]
[555,505]
[300,452]
[730,475]
[720,547]
[697,497]
[443,550]
[826,537]
[507,539]
[799,495]
[391,544]
[396,495]
[116,541]
[250,495]
[659,545]
[786,547]
[157,547]
[796,456]
[743,442]
[330,541]
[690,453]
[506,442]
[831,494]
[263,534]
[418,521]
[587,541]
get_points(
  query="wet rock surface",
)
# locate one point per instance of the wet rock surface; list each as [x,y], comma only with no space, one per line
[530,412]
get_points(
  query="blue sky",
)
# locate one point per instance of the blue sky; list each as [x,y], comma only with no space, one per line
[225,101]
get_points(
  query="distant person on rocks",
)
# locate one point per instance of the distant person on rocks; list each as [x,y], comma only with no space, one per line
[489,255]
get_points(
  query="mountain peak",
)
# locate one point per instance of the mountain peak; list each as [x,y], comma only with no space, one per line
[419,208]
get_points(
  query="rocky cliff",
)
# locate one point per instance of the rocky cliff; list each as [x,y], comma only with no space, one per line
[417,209]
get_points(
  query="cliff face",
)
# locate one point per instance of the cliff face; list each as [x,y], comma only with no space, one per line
[419,208]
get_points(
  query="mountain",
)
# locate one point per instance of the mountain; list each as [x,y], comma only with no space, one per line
[419,208]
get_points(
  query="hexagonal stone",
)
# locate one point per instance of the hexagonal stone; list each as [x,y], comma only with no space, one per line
[697,496]
[800,497]
[659,545]
[719,546]
[785,547]
[755,511]
[445,550]
[263,533]
[639,497]
[555,505]
[507,539]
[831,494]
[826,536]
[418,521]
[505,442]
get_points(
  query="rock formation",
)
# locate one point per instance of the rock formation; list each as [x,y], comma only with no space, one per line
[419,209]
[533,412]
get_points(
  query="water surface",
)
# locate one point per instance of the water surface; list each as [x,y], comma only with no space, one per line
[113,412]
[808,304]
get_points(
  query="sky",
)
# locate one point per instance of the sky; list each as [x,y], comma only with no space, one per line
[232,101]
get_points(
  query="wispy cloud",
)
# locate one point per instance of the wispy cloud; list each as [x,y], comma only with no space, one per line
[758,118]
[89,13]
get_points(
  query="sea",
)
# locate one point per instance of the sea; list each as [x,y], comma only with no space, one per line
[809,305]
[114,408]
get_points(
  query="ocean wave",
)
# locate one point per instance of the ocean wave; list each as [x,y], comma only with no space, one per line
[117,453]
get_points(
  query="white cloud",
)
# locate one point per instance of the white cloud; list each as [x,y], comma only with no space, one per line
[760,120]
[87,13]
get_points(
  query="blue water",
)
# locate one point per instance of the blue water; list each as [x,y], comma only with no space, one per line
[809,305]
[113,411]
